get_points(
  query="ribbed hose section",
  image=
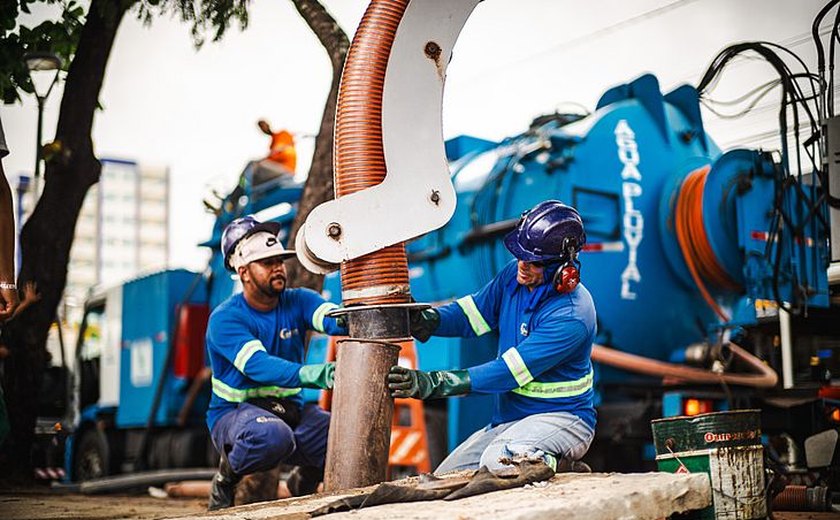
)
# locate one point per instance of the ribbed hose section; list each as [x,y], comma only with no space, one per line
[382,276]
[695,246]
[802,498]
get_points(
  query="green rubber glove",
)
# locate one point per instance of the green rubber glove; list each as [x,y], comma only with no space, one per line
[404,382]
[424,323]
[317,376]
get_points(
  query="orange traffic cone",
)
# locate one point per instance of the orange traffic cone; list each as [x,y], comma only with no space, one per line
[325,399]
[409,442]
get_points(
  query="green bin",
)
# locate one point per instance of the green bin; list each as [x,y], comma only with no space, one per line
[726,446]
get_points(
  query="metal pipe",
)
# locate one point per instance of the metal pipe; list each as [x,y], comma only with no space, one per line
[362,409]
[787,348]
[38,145]
[374,282]
[765,377]
[377,283]
[36,178]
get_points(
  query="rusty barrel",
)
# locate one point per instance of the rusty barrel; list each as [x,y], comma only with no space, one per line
[726,446]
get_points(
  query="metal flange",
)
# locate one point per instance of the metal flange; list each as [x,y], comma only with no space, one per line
[376,322]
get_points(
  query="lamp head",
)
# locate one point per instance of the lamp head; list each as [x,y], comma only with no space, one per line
[43,70]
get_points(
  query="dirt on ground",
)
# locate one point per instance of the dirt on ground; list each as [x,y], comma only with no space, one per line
[44,505]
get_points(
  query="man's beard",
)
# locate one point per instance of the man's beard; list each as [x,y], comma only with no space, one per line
[268,288]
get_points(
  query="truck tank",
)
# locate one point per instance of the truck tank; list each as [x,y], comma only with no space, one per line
[645,177]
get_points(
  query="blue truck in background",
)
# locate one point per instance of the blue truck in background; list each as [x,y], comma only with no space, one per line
[140,387]
[140,348]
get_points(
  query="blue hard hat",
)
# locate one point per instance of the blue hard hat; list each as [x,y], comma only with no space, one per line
[546,233]
[241,228]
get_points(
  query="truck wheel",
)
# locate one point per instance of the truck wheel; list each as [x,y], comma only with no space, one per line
[187,449]
[92,457]
[211,455]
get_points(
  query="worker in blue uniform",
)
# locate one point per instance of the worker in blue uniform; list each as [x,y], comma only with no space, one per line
[255,344]
[542,376]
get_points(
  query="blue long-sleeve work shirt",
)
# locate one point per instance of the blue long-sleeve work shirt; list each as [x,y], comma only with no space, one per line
[545,342]
[257,354]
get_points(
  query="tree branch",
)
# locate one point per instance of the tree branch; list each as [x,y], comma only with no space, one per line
[319,183]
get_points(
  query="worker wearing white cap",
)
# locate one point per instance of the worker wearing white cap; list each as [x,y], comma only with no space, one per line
[255,342]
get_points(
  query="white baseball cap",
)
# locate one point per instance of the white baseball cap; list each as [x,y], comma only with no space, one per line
[258,246]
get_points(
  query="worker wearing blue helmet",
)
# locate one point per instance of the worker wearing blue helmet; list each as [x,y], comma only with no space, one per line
[542,376]
[255,344]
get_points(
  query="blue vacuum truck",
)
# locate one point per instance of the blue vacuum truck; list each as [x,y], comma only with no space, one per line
[711,271]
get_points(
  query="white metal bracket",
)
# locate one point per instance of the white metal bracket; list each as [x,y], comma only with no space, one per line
[417,195]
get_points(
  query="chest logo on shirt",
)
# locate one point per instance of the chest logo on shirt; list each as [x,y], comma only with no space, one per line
[288,333]
[523,329]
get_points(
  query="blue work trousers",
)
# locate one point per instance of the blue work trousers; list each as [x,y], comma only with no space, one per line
[256,440]
[550,436]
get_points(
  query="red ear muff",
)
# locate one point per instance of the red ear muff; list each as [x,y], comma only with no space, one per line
[566,278]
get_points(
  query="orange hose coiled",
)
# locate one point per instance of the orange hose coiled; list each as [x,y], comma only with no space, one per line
[382,276]
[694,244]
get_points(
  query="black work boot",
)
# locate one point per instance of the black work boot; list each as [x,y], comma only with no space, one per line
[304,480]
[223,489]
[565,465]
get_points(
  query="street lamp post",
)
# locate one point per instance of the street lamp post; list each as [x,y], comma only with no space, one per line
[43,70]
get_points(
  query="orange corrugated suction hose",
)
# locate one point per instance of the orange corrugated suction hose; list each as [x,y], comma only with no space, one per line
[382,276]
[691,235]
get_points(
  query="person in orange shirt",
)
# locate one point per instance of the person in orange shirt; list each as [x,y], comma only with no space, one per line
[282,148]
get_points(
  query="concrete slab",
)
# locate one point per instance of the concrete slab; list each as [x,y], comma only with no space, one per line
[571,496]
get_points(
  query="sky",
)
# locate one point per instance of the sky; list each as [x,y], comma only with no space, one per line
[195,111]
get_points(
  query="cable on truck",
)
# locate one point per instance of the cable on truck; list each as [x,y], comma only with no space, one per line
[798,210]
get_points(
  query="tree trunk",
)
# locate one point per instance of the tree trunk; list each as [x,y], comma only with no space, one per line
[317,189]
[48,233]
[319,184]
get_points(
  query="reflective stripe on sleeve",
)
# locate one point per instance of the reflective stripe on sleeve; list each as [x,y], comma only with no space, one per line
[477,322]
[542,390]
[320,313]
[245,353]
[236,395]
[517,366]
